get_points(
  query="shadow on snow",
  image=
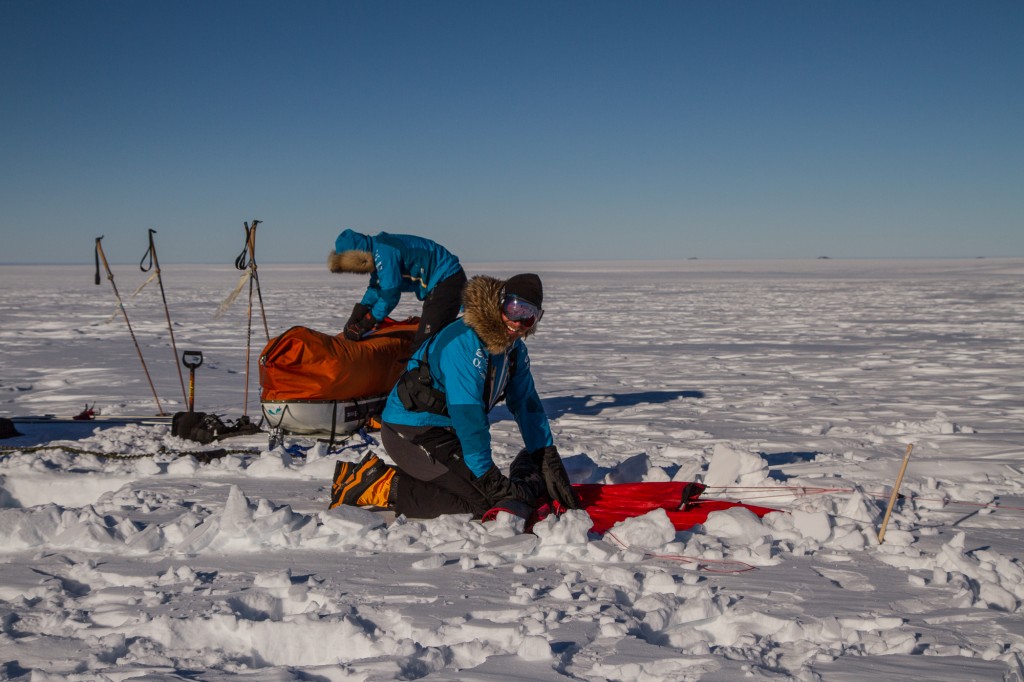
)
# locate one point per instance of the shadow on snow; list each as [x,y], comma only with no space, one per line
[595,403]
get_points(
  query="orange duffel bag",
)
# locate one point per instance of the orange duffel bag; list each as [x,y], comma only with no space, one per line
[303,364]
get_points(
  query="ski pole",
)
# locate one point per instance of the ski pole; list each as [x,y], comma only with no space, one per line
[251,239]
[154,264]
[247,261]
[192,359]
[110,275]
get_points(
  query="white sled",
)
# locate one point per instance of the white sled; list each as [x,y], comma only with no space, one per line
[325,418]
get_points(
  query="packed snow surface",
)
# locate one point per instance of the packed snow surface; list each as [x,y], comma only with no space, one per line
[130,554]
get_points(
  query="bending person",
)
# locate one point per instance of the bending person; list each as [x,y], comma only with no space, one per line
[397,264]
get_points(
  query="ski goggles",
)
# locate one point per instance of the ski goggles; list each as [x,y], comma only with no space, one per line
[522,311]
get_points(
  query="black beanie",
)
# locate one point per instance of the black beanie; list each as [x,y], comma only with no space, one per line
[526,287]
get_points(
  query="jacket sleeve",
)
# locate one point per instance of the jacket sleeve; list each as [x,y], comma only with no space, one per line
[372,294]
[463,367]
[524,403]
[388,261]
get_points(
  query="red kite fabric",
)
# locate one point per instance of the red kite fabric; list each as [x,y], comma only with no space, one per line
[608,504]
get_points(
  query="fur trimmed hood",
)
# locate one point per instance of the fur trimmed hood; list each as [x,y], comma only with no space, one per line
[481,300]
[353,252]
[350,261]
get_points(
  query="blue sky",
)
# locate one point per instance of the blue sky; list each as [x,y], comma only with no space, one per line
[513,130]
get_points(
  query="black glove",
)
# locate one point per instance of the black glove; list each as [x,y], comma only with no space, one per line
[556,480]
[512,506]
[496,487]
[358,312]
[360,322]
[525,466]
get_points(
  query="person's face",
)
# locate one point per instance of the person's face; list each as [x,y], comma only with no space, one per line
[519,316]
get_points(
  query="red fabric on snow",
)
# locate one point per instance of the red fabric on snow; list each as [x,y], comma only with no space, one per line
[608,504]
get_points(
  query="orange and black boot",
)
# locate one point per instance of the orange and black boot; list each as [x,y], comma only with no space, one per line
[367,482]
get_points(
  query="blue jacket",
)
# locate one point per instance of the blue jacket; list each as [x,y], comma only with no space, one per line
[473,378]
[402,263]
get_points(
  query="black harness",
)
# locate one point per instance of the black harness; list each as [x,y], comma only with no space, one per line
[417,392]
[416,389]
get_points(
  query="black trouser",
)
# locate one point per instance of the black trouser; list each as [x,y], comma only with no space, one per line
[432,477]
[440,307]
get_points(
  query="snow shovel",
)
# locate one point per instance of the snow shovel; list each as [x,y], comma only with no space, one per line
[192,359]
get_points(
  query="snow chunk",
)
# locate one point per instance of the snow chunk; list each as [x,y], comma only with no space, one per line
[346,520]
[899,538]
[146,466]
[812,524]
[270,463]
[650,531]
[633,469]
[433,561]
[183,466]
[860,508]
[737,524]
[534,648]
[282,578]
[557,534]
[24,528]
[732,466]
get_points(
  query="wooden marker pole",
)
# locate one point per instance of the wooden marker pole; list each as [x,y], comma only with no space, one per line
[895,493]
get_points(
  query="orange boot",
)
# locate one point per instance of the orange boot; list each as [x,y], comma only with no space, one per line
[366,483]
[379,492]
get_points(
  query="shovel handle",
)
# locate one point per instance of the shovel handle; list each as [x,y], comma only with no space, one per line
[192,358]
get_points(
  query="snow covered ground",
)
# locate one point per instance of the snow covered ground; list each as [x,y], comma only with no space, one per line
[797,385]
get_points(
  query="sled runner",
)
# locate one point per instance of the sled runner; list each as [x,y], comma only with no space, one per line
[313,383]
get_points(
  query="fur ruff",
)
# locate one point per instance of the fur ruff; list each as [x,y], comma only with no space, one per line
[481,300]
[351,261]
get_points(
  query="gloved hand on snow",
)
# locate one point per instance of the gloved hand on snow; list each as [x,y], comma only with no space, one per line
[510,506]
[556,480]
[522,486]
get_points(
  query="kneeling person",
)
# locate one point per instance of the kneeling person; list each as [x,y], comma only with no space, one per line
[435,424]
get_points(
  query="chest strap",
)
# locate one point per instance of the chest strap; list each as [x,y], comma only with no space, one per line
[416,389]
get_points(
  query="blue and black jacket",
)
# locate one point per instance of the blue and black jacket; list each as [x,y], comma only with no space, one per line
[474,364]
[397,264]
